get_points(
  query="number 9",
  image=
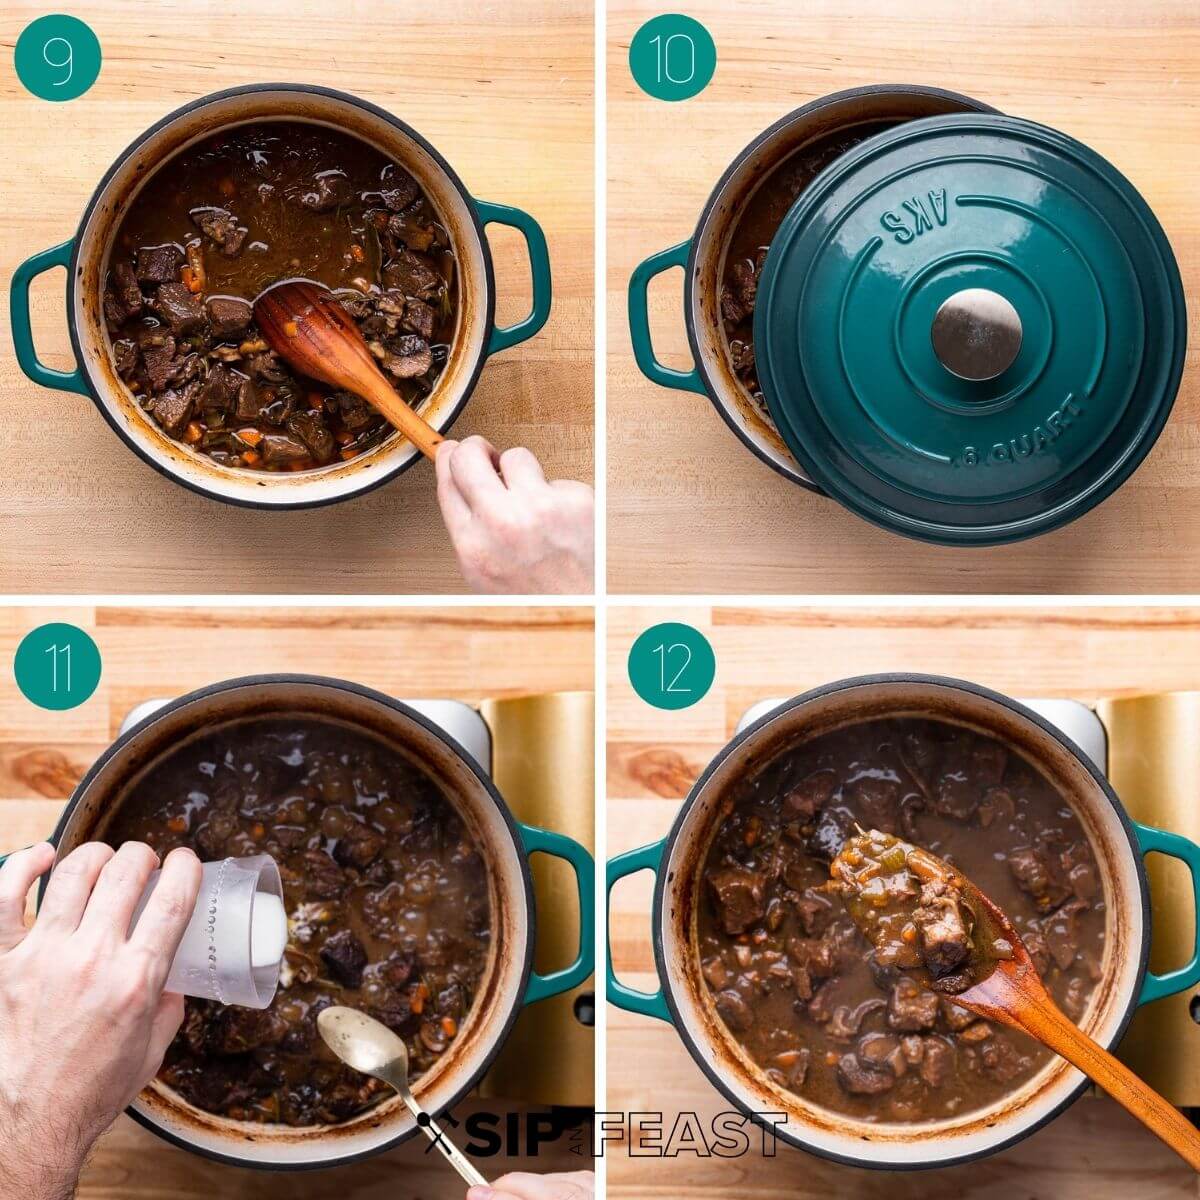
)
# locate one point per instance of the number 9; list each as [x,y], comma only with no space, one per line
[68,62]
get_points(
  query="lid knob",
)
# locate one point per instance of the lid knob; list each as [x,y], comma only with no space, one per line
[976,334]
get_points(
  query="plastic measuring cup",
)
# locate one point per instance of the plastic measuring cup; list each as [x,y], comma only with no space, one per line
[232,949]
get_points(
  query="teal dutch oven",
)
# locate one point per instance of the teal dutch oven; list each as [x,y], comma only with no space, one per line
[683,999]
[509,982]
[968,328]
[86,255]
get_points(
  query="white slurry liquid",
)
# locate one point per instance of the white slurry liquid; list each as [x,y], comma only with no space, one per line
[268,930]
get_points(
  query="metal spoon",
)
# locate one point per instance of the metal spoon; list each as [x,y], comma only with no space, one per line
[371,1047]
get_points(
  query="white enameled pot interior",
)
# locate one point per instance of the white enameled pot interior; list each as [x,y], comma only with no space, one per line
[268,489]
[837,112]
[500,992]
[968,1134]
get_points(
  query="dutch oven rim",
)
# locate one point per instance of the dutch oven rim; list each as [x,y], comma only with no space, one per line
[735,744]
[475,769]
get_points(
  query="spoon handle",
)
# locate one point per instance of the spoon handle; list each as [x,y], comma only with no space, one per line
[1048,1024]
[433,1131]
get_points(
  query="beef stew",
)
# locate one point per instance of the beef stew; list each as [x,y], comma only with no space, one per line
[247,208]
[800,987]
[387,898]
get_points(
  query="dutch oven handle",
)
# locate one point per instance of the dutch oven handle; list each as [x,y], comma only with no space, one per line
[1159,841]
[648,1004]
[22,332]
[639,321]
[558,845]
[539,269]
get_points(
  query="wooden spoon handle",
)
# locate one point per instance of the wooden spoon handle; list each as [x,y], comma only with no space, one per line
[365,378]
[1051,1027]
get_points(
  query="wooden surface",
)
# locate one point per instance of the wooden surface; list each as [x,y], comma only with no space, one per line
[691,510]
[504,92]
[1095,1151]
[465,653]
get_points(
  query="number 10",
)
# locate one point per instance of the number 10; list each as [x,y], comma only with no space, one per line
[663,57]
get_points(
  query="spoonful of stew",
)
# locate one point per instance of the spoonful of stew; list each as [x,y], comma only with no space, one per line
[926,918]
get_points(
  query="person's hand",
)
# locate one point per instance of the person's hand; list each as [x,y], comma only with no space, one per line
[84,1021]
[513,530]
[574,1185]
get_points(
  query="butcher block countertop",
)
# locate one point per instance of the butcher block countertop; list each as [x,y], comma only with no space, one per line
[689,508]
[465,654]
[503,92]
[1094,1151]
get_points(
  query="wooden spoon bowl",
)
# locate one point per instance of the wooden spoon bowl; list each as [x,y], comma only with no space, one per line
[304,324]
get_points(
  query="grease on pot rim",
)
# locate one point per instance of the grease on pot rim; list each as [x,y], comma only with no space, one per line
[237,213]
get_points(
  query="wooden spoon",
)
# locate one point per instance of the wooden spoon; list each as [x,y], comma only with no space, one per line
[306,325]
[1009,991]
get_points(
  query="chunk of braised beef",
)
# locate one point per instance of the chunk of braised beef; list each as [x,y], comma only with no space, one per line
[359,847]
[125,287]
[941,924]
[1036,946]
[912,1008]
[280,449]
[396,1012]
[330,190]
[173,408]
[125,358]
[1032,869]
[228,316]
[937,1062]
[814,912]
[314,433]
[345,957]
[220,389]
[180,308]
[1061,932]
[811,794]
[221,227]
[158,264]
[874,800]
[158,359]
[1000,1059]
[326,880]
[237,1030]
[407,356]
[739,896]
[413,274]
[213,834]
[400,189]
[419,317]
[356,412]
[833,827]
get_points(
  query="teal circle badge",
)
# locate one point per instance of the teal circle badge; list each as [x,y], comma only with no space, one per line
[672,57]
[57,666]
[57,57]
[672,665]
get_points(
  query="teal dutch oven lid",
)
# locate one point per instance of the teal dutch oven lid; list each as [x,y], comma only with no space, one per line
[970,329]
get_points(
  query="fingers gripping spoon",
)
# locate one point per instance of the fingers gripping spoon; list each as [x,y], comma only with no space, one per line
[371,1047]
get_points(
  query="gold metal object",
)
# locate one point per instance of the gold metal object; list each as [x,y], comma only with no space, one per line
[1154,765]
[544,766]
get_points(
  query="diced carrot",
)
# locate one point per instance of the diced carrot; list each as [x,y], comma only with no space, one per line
[251,458]
[250,436]
[228,187]
[449,1026]
[297,466]
[343,437]
[358,254]
[289,327]
[258,829]
[788,1059]
[193,433]
[908,934]
[316,401]
[831,1058]
[177,824]
[193,274]
[347,455]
